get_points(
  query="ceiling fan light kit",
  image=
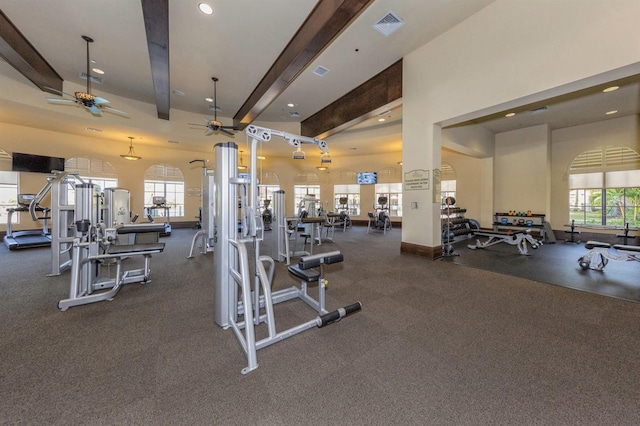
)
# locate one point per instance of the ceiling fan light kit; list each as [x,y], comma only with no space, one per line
[215,125]
[93,104]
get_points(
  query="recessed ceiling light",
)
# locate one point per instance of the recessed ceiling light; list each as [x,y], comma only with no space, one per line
[510,114]
[615,111]
[178,92]
[381,119]
[97,71]
[290,105]
[205,8]
[208,99]
[611,89]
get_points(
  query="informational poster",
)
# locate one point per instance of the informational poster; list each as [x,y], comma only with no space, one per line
[416,179]
[437,185]
[193,192]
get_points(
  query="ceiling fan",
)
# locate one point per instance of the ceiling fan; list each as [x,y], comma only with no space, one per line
[94,104]
[214,125]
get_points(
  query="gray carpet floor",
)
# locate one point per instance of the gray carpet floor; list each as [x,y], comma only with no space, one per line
[436,343]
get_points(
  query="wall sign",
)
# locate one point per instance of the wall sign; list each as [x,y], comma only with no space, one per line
[416,179]
[437,185]
[193,192]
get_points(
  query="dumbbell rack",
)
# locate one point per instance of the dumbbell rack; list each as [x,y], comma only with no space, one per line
[453,224]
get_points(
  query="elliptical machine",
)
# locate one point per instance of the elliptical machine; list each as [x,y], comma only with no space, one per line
[344,212]
[267,216]
[380,220]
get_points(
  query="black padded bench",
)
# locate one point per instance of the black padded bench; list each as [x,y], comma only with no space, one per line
[624,247]
[596,244]
[304,271]
[118,249]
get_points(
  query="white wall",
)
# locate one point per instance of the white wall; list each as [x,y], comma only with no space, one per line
[522,170]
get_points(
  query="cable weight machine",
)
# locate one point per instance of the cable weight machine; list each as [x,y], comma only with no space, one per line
[241,304]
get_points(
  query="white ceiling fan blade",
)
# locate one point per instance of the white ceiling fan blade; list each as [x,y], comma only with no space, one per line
[113,110]
[208,131]
[100,101]
[62,101]
[94,109]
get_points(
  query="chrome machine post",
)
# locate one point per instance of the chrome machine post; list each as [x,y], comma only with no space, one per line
[226,228]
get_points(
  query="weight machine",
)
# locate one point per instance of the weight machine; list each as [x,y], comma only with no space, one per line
[234,296]
[62,216]
[206,234]
[94,245]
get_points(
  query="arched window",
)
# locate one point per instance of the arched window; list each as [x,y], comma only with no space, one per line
[91,170]
[8,188]
[346,186]
[604,187]
[447,181]
[165,180]
[269,182]
[305,183]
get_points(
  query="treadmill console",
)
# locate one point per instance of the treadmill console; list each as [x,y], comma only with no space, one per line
[25,199]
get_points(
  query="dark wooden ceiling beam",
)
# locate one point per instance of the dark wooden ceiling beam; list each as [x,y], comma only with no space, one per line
[325,22]
[156,24]
[20,54]
[373,97]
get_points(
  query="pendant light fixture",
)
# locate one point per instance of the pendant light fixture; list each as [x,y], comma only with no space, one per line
[240,165]
[131,155]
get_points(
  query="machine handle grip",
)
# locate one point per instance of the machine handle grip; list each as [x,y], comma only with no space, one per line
[338,314]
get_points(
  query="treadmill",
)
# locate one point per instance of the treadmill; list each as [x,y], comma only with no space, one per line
[27,239]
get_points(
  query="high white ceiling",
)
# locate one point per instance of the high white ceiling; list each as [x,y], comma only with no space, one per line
[237,44]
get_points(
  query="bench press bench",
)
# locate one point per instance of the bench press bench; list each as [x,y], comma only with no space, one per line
[600,253]
[518,238]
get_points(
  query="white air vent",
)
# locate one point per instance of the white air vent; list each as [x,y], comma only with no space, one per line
[216,108]
[388,24]
[321,71]
[94,79]
[294,114]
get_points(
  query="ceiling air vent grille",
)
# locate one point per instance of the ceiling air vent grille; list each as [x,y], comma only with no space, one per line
[388,24]
[94,79]
[321,71]
[215,108]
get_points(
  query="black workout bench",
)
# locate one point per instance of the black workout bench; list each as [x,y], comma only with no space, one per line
[304,271]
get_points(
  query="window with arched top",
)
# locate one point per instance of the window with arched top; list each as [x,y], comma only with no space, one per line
[447,181]
[164,180]
[269,182]
[604,187]
[305,183]
[346,189]
[92,170]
